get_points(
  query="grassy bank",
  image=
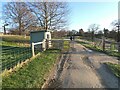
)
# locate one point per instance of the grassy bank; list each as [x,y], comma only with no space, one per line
[32,75]
[108,52]
[115,68]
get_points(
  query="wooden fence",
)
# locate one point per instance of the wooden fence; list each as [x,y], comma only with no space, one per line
[106,45]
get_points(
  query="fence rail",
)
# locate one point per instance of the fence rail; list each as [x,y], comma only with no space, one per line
[18,52]
[106,45]
[11,56]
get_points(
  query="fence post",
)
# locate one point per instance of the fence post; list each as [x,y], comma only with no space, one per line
[119,47]
[47,43]
[33,52]
[44,45]
[103,43]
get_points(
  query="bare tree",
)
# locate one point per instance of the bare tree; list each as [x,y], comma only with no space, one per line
[116,26]
[50,15]
[17,14]
[92,29]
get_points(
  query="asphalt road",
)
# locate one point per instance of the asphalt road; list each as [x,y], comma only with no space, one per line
[85,69]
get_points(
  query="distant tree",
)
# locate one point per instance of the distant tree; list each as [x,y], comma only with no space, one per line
[116,27]
[81,32]
[74,32]
[106,32]
[59,34]
[92,29]
[113,34]
[87,35]
[99,34]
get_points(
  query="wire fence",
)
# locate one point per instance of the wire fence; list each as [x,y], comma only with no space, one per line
[103,44]
[56,44]
[17,51]
[14,54]
[106,45]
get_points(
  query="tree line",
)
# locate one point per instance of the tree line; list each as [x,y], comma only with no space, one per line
[23,17]
[95,32]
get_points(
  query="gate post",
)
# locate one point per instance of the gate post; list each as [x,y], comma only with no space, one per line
[119,47]
[33,51]
[44,45]
[103,43]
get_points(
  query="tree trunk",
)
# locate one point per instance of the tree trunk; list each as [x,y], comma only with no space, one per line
[20,31]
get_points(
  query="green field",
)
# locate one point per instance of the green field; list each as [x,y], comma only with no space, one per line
[115,69]
[32,75]
[15,38]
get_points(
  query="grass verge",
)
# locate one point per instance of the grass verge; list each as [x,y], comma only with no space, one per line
[32,75]
[115,68]
[66,46]
[108,52]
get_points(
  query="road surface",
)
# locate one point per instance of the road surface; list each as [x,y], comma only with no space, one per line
[85,69]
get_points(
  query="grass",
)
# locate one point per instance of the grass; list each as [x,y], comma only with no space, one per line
[10,57]
[15,38]
[15,49]
[32,75]
[14,44]
[12,53]
[109,52]
[115,68]
[66,46]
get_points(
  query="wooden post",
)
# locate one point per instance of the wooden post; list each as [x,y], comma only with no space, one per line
[119,47]
[5,28]
[118,38]
[103,43]
[47,43]
[44,45]
[33,52]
